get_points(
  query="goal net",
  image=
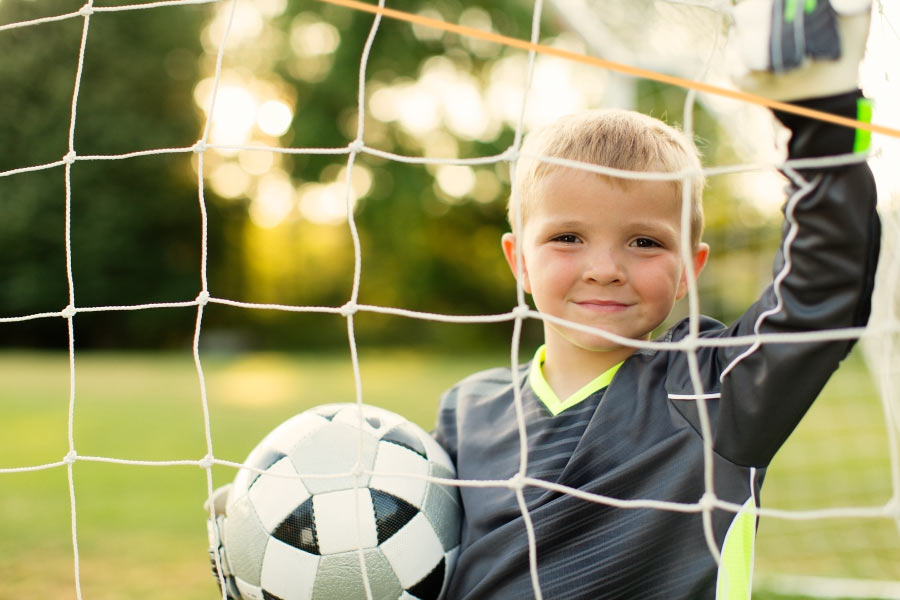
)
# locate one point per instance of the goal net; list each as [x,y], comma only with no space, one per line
[286,224]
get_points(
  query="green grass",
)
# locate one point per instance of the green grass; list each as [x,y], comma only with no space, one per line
[141,529]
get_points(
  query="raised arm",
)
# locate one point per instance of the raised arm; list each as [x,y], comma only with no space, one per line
[823,276]
[823,273]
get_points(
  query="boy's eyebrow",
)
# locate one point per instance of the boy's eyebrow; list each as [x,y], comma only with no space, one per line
[641,222]
[564,223]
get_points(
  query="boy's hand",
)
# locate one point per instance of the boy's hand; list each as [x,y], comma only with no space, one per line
[793,49]
[215,529]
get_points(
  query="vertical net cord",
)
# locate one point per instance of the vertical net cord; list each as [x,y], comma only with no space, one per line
[890,340]
[521,311]
[203,298]
[70,310]
[349,309]
[887,307]
[707,502]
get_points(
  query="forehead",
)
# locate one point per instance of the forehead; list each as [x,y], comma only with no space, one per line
[566,193]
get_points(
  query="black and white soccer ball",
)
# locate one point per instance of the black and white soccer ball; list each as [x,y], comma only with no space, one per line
[299,538]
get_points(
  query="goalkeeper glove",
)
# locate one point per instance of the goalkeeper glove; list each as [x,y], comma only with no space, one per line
[215,529]
[793,49]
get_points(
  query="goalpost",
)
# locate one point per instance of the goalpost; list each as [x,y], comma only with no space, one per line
[703,79]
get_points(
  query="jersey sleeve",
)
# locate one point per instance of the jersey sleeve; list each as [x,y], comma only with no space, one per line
[823,277]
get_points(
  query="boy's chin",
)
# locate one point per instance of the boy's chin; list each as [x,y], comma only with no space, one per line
[594,343]
[599,344]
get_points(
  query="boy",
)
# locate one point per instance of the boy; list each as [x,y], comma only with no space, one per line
[604,418]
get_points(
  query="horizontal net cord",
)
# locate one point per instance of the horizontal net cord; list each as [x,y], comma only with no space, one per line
[797,337]
[19,171]
[41,21]
[89,9]
[825,161]
[507,156]
[28,469]
[31,317]
[888,510]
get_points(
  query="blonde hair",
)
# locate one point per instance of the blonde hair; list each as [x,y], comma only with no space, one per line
[613,138]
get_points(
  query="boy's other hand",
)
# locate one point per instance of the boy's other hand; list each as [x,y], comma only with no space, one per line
[792,49]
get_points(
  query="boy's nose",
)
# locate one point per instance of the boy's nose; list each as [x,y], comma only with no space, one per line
[604,267]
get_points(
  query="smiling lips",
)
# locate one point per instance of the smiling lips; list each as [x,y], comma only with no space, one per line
[606,306]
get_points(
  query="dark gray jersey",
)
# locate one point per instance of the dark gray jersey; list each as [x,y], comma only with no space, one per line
[639,438]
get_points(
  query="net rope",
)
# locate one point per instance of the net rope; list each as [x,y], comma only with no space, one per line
[884,337]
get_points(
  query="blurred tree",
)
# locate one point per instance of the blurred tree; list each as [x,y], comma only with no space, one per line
[135,225]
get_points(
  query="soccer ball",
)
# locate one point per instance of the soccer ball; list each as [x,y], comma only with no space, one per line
[304,538]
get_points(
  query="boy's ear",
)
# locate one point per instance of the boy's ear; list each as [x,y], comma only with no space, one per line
[509,242]
[699,259]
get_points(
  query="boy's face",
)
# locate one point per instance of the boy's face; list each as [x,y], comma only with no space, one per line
[602,255]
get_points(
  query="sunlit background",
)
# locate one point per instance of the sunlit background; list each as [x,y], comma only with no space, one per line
[444,102]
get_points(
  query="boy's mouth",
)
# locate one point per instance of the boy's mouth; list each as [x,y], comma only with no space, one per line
[602,305]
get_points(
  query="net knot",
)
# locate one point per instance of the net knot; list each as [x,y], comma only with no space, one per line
[69,158]
[199,147]
[707,501]
[356,146]
[71,457]
[516,482]
[206,462]
[892,509]
[510,154]
[68,312]
[203,298]
[521,311]
[349,309]
[86,10]
[359,474]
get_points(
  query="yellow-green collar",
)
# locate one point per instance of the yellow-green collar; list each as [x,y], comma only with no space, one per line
[546,395]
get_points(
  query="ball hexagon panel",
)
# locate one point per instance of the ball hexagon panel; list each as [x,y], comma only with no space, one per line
[407,436]
[412,567]
[332,450]
[276,493]
[246,539]
[248,591]
[393,459]
[276,445]
[438,456]
[340,576]
[442,508]
[344,521]
[288,573]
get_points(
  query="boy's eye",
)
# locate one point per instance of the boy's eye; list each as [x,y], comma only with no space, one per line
[645,243]
[566,238]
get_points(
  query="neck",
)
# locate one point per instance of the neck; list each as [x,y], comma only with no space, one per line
[568,368]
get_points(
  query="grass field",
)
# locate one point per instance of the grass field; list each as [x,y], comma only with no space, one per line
[141,531]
